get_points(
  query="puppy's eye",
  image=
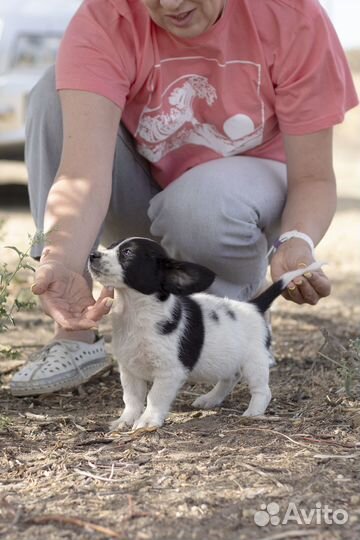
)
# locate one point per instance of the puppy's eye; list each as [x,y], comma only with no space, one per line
[126,252]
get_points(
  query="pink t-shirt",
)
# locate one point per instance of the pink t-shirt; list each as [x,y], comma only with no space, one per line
[265,68]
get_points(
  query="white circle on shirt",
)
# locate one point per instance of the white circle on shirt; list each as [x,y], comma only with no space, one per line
[238,126]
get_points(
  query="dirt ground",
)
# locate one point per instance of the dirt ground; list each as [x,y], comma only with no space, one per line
[204,475]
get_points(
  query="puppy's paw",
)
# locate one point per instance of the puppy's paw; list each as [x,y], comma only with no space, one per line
[250,413]
[146,421]
[118,425]
[123,423]
[255,410]
[258,403]
[206,402]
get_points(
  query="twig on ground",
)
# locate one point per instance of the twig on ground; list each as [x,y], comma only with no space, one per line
[102,478]
[336,456]
[9,370]
[261,473]
[273,431]
[112,471]
[309,439]
[338,364]
[325,441]
[100,440]
[257,418]
[299,533]
[133,512]
[33,416]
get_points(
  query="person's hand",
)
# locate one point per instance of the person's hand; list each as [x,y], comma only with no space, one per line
[307,289]
[66,297]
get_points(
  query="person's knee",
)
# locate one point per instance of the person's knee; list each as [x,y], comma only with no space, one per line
[43,131]
[217,234]
[43,103]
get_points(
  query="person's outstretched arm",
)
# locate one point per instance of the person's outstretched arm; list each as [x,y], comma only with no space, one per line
[77,205]
[310,207]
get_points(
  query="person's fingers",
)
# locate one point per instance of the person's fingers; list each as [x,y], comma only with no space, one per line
[86,320]
[320,283]
[312,286]
[307,292]
[101,305]
[296,289]
[81,320]
[309,288]
[99,309]
[293,294]
[68,320]
[106,292]
[43,278]
[61,318]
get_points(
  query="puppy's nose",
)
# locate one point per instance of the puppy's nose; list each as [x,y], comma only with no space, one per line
[94,255]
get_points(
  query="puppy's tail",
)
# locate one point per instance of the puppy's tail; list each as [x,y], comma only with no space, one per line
[265,299]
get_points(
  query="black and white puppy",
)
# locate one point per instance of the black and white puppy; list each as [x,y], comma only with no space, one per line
[165,334]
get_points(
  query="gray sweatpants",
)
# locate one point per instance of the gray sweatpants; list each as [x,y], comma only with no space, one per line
[222,214]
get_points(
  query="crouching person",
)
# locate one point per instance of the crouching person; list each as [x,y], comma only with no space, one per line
[154,125]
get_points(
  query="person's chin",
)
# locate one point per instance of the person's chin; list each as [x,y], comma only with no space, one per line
[187,32]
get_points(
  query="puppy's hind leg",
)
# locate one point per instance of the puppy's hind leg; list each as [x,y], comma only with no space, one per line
[216,396]
[256,374]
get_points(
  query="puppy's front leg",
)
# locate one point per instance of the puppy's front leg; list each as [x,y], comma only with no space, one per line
[134,393]
[159,399]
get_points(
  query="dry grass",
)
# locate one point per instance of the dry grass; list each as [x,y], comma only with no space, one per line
[203,475]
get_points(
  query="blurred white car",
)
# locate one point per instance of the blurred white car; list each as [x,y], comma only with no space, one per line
[30,33]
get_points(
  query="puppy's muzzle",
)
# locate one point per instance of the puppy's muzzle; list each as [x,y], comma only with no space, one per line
[95,260]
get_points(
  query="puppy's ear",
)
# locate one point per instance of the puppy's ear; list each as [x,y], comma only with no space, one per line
[183,278]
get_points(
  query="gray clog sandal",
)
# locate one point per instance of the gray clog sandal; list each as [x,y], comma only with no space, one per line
[61,365]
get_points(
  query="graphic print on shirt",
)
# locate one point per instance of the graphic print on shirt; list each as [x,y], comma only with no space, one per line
[204,109]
